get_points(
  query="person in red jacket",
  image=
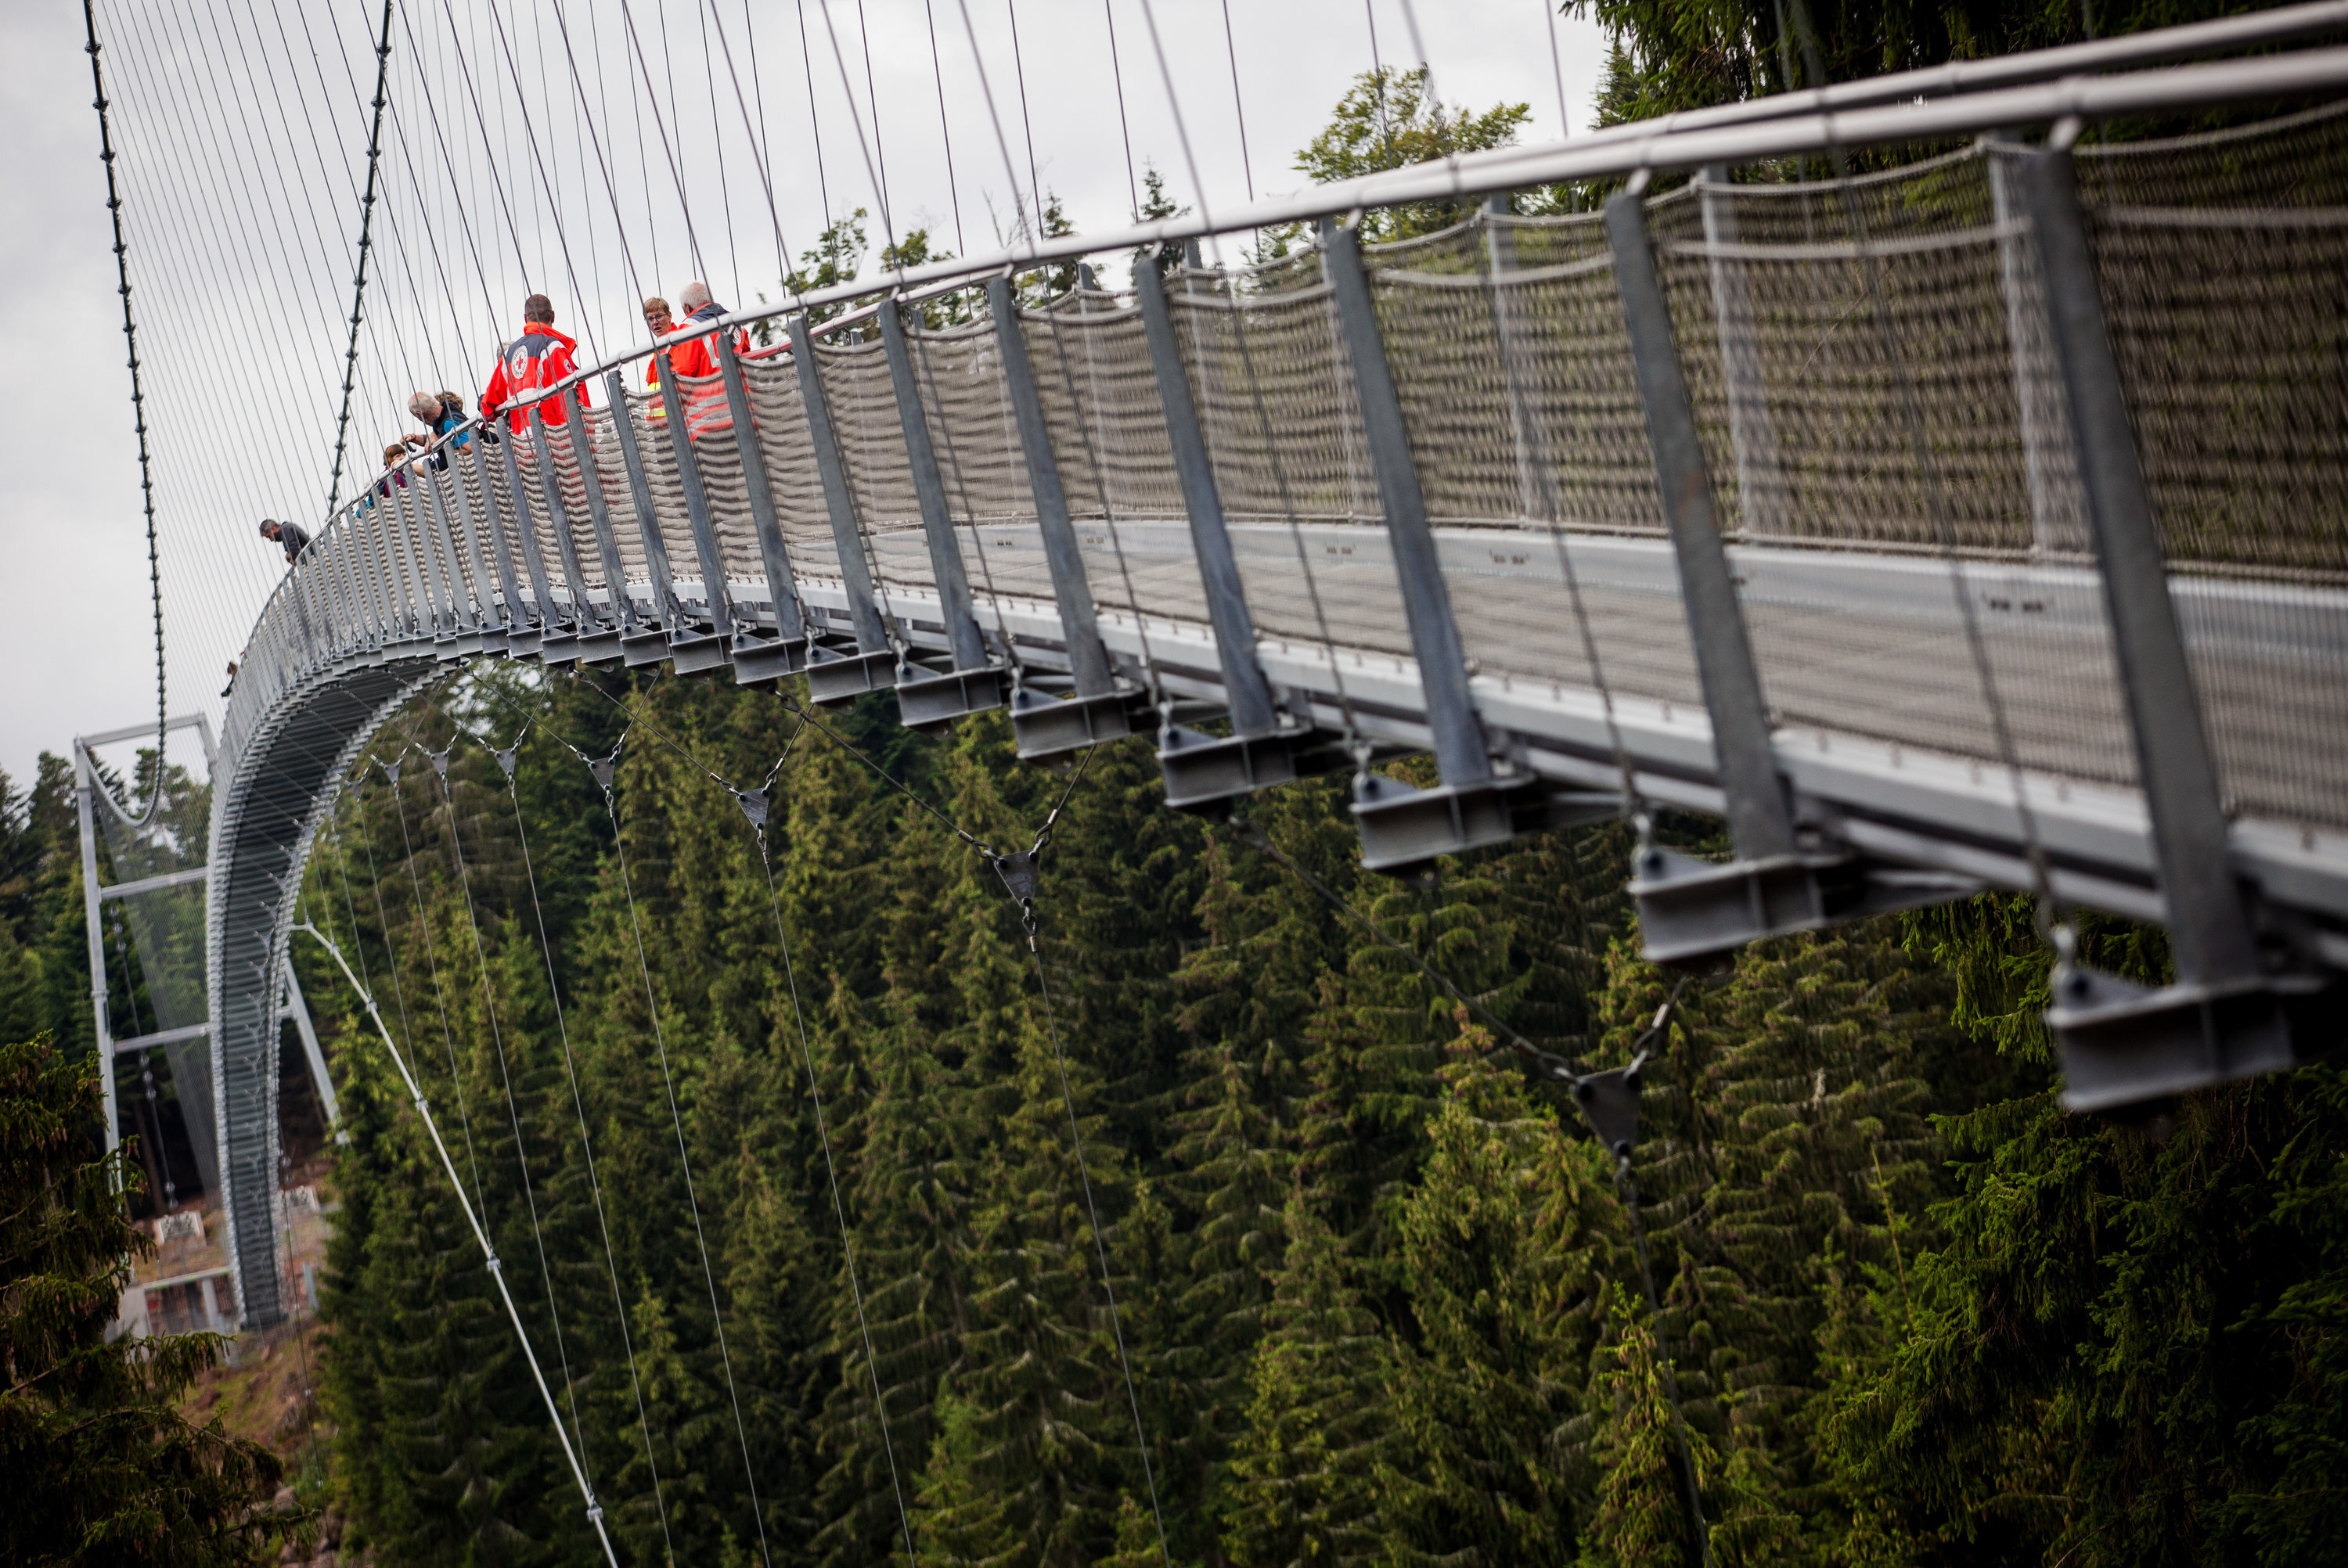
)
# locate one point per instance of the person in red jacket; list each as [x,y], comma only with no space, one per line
[540,357]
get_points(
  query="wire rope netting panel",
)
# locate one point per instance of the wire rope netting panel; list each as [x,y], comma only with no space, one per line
[571,484]
[1285,436]
[489,526]
[448,528]
[709,422]
[981,467]
[611,467]
[1107,427]
[871,438]
[1879,413]
[2222,259]
[537,524]
[792,477]
[650,418]
[1529,441]
[501,513]
[383,520]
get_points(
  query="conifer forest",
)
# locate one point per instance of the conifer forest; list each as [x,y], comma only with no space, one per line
[1205,1201]
[1382,1295]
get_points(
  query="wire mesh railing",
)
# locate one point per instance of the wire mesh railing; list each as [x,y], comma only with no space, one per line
[1804,309]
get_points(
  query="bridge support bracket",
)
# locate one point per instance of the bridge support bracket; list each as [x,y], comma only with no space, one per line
[762,662]
[836,679]
[2127,1048]
[557,648]
[647,645]
[602,647]
[1403,828]
[928,703]
[699,652]
[1208,773]
[1694,911]
[1049,727]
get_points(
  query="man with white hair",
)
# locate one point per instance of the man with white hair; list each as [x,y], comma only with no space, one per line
[699,357]
[442,415]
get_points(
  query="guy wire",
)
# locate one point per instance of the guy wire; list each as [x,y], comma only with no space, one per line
[1084,1172]
[831,1167]
[513,1104]
[586,1146]
[685,1159]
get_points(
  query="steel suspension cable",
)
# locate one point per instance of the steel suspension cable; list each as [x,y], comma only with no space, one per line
[1019,73]
[815,125]
[207,281]
[855,117]
[675,171]
[450,166]
[1124,125]
[995,116]
[1557,70]
[2054,926]
[872,101]
[432,967]
[945,130]
[717,138]
[1028,920]
[757,136]
[367,235]
[604,164]
[1238,103]
[508,763]
[465,73]
[545,184]
[1258,405]
[138,393]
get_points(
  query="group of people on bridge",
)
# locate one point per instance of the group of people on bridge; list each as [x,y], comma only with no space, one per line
[541,357]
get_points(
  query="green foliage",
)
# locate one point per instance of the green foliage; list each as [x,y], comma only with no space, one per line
[1670,55]
[1379,1294]
[102,1467]
[1390,118]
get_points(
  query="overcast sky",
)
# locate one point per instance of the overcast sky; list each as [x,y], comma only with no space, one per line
[243,140]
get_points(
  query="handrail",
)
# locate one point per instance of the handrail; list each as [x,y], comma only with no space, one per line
[2037,89]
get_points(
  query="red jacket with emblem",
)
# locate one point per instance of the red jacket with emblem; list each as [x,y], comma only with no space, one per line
[540,357]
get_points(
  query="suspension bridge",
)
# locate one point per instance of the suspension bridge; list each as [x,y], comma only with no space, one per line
[1945,494]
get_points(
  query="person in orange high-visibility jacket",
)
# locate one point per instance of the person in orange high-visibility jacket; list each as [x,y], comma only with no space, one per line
[540,357]
[693,359]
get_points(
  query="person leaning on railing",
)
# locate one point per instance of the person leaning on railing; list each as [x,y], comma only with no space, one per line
[292,537]
[393,455]
[442,415]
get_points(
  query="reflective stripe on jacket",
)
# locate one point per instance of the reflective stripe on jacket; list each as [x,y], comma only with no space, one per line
[540,357]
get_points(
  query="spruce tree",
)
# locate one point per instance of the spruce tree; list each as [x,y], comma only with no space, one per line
[1303,1483]
[1504,1238]
[102,1465]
